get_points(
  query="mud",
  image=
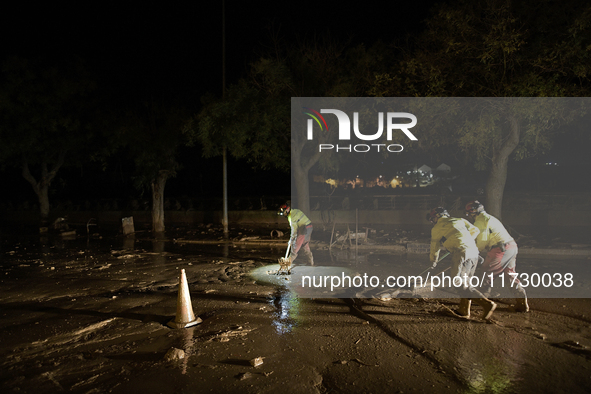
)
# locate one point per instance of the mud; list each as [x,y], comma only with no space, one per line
[89,315]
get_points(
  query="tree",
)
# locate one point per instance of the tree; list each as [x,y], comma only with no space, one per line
[253,120]
[45,114]
[152,134]
[247,123]
[497,48]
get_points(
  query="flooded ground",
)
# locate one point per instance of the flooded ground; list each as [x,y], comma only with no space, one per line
[90,315]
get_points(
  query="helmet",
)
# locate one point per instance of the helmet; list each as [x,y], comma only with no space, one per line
[284,209]
[436,213]
[474,207]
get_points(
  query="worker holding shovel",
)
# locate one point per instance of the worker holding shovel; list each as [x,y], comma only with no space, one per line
[301,231]
[500,251]
[457,236]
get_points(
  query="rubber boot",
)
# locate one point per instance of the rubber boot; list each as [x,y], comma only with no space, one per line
[488,307]
[521,299]
[464,307]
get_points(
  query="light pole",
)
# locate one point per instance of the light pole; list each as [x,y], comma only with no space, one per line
[224,158]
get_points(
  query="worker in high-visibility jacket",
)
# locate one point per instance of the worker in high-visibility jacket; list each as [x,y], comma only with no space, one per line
[457,236]
[500,251]
[301,231]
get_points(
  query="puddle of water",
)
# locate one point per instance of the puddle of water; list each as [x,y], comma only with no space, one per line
[287,315]
[490,363]
[188,346]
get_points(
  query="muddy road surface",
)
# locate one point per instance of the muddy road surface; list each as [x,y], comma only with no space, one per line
[90,316]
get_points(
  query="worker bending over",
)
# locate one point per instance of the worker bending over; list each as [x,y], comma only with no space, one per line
[457,236]
[500,249]
[301,231]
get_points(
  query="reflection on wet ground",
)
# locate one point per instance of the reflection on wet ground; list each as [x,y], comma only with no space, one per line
[493,364]
[32,250]
[287,310]
[118,278]
[188,347]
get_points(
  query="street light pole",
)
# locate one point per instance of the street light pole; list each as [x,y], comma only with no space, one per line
[224,158]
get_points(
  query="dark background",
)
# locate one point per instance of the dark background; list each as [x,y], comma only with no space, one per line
[142,50]
[158,48]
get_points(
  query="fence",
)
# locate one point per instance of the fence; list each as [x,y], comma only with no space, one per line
[511,201]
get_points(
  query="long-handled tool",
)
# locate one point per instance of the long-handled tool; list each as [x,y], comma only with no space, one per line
[433,266]
[284,262]
[396,289]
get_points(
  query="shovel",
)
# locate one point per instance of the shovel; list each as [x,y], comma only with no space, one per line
[396,289]
[284,263]
[438,261]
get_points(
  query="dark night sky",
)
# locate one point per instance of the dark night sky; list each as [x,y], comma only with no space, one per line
[157,49]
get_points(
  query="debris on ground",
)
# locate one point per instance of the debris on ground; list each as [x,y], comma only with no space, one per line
[244,376]
[113,337]
[255,362]
[174,354]
[226,335]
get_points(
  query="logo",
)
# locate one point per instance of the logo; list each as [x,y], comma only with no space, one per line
[316,119]
[391,124]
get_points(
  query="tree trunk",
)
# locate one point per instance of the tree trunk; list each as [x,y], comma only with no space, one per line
[495,185]
[300,167]
[300,171]
[41,187]
[43,196]
[158,185]
[302,189]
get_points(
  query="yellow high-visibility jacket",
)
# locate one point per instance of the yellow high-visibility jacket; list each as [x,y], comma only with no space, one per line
[492,232]
[296,219]
[454,234]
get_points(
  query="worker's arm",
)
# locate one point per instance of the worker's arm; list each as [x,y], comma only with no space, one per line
[435,244]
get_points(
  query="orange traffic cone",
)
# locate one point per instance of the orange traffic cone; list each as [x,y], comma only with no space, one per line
[184,310]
